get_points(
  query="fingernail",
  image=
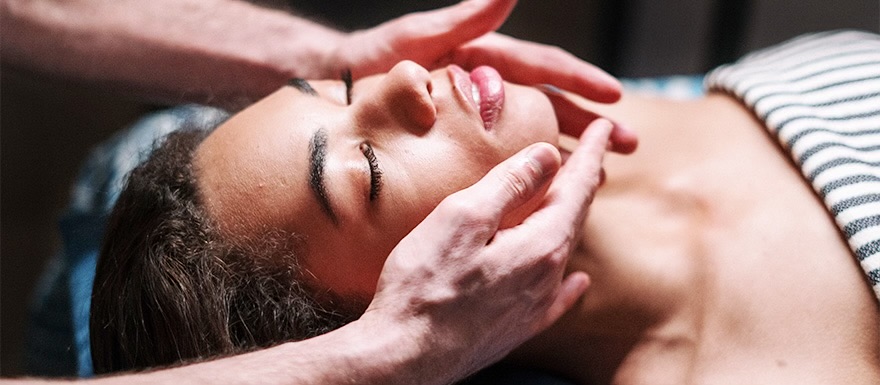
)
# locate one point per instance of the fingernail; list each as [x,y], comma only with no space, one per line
[550,89]
[604,123]
[623,127]
[543,158]
[597,125]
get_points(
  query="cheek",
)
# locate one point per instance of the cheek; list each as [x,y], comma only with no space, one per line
[528,118]
[415,183]
[453,166]
[420,172]
[421,180]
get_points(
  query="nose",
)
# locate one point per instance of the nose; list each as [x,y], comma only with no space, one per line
[401,99]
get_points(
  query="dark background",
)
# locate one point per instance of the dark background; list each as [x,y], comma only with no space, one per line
[47,127]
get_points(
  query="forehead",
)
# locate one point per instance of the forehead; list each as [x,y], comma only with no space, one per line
[253,168]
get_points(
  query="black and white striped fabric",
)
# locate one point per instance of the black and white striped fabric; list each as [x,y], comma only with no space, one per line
[819,95]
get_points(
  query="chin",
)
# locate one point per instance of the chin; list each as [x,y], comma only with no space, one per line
[528,117]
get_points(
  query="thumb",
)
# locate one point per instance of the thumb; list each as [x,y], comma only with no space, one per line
[508,185]
[471,217]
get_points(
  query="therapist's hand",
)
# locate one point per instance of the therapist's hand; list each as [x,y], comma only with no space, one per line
[455,295]
[469,291]
[463,34]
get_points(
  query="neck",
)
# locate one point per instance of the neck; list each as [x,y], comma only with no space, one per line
[620,331]
[700,271]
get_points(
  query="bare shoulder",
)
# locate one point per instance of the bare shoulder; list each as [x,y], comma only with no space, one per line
[709,253]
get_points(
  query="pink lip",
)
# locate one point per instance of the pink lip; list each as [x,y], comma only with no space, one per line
[489,86]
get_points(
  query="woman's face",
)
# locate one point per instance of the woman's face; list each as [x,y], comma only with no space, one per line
[351,180]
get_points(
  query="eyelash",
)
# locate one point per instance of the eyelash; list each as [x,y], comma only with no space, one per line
[366,148]
[346,78]
[375,171]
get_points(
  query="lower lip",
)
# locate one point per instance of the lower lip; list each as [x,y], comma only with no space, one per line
[487,83]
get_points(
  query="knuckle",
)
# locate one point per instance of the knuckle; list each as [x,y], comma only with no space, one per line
[518,185]
[556,251]
[465,211]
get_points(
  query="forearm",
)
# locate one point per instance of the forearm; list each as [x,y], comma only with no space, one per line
[354,354]
[224,52]
[375,349]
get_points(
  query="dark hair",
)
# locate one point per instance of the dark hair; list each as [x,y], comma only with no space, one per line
[169,288]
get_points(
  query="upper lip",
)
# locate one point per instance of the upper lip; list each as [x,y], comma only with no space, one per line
[482,90]
[462,83]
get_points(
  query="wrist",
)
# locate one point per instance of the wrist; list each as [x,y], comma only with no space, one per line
[394,351]
[300,48]
[370,350]
[273,46]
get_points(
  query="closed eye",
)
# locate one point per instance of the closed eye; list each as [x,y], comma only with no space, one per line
[375,171]
[346,78]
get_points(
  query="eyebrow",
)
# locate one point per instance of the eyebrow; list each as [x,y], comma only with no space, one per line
[317,161]
[303,86]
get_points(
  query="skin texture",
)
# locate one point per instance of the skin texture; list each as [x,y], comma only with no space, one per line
[253,170]
[439,339]
[102,43]
[697,248]
[167,50]
[711,261]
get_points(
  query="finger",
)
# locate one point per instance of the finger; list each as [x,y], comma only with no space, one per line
[574,185]
[426,37]
[506,187]
[564,154]
[570,193]
[569,292]
[532,63]
[573,118]
[623,139]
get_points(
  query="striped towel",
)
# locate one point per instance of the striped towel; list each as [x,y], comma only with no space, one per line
[819,96]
